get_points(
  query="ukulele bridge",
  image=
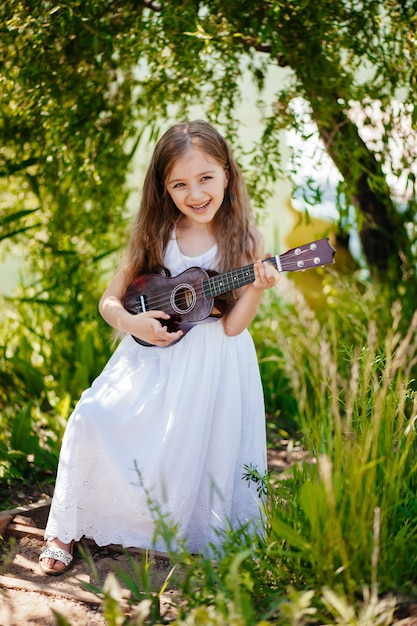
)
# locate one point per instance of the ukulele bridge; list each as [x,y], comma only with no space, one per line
[141,304]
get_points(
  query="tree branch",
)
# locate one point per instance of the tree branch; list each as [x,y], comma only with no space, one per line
[265,48]
[13,168]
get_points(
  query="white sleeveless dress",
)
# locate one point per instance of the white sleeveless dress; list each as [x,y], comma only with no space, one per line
[175,426]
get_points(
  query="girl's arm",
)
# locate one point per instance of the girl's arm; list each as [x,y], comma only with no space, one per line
[145,326]
[246,307]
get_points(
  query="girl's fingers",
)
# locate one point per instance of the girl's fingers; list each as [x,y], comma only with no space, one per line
[265,274]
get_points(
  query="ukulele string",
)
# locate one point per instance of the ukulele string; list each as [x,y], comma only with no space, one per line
[164,300]
[181,297]
[290,265]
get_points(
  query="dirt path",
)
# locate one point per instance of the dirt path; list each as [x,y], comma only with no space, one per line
[27,597]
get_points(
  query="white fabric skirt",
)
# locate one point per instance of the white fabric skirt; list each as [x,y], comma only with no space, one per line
[173,426]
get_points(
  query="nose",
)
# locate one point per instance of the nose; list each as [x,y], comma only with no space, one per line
[195,192]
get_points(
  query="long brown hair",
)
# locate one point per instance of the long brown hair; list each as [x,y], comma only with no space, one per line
[233,224]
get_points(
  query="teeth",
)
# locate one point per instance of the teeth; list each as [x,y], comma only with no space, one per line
[199,206]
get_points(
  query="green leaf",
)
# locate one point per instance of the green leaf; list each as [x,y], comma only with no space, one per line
[283,531]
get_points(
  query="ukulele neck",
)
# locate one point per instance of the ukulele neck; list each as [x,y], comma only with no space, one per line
[223,283]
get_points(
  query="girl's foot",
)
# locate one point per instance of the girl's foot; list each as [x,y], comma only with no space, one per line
[56,558]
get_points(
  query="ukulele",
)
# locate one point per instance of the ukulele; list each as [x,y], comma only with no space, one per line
[193,296]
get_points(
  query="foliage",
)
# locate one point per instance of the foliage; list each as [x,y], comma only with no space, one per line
[44,366]
[340,527]
[84,85]
[349,85]
[140,583]
[65,124]
[344,63]
[94,74]
[347,517]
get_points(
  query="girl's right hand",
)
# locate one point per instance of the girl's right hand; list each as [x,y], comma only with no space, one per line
[147,327]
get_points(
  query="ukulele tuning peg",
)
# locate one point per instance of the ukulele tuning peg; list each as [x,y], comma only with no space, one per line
[313,246]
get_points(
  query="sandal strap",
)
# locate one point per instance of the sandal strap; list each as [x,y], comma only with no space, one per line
[58,554]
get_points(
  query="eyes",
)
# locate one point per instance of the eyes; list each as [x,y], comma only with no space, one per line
[181,185]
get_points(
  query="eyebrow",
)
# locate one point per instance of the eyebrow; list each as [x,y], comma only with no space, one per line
[177,180]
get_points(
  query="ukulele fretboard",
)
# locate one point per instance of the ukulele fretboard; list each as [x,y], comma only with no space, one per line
[222,283]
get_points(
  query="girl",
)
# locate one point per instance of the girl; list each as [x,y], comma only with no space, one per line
[174,424]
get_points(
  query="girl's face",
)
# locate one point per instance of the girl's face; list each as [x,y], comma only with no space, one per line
[196,185]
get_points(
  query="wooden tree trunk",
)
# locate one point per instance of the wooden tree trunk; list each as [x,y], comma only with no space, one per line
[383,236]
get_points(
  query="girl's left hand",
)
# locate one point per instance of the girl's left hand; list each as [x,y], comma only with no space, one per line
[266,275]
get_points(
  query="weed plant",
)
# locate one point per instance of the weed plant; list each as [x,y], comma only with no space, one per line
[46,360]
[346,517]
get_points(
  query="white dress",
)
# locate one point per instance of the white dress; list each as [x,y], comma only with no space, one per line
[174,426]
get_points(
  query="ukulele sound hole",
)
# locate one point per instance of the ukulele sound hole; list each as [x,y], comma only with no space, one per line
[183,299]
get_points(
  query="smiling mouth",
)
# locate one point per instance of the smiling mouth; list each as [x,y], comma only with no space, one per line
[200,207]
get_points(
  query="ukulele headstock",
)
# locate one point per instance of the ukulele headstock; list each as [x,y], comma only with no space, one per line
[314,254]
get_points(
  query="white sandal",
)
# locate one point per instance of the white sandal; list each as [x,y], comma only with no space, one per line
[58,554]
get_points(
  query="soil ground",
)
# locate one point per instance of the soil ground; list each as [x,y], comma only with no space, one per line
[31,597]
